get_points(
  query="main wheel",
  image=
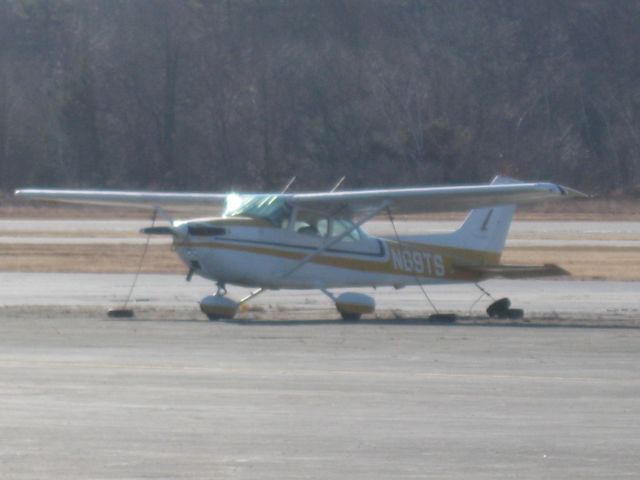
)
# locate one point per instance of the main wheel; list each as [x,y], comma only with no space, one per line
[213,318]
[350,317]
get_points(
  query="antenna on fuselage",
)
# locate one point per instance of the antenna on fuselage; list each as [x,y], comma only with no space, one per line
[338,183]
[289,183]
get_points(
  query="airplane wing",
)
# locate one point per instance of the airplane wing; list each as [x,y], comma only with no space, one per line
[435,199]
[124,198]
[400,200]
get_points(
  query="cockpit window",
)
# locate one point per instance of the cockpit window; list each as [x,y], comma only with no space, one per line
[317,224]
[340,226]
[311,223]
[275,210]
[272,208]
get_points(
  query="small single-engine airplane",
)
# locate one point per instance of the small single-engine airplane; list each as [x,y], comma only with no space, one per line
[315,240]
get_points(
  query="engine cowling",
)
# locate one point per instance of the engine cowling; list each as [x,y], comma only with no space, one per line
[352,305]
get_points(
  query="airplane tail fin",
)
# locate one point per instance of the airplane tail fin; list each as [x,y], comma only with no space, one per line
[486,229]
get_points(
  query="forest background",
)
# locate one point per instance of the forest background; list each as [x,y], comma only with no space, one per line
[242,94]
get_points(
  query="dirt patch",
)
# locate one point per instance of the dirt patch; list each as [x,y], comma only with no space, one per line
[582,262]
[70,234]
[118,258]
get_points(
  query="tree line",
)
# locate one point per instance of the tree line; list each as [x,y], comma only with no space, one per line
[222,94]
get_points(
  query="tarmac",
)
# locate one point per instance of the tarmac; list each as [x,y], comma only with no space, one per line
[603,301]
[288,391]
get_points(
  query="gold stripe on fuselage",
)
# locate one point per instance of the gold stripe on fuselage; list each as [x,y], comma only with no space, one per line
[409,259]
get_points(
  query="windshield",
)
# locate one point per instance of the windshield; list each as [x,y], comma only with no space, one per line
[272,208]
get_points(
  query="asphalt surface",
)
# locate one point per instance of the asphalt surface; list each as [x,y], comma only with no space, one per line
[159,397]
[289,391]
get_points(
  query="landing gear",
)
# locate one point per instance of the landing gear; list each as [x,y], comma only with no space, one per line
[218,307]
[221,289]
[351,305]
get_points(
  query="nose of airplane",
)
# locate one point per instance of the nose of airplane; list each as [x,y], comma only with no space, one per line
[180,231]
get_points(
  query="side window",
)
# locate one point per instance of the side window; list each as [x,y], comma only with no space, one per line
[310,223]
[284,223]
[341,226]
[323,226]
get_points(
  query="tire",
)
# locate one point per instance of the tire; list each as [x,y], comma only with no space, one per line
[515,313]
[350,317]
[499,308]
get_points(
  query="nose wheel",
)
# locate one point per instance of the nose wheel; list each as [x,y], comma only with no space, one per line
[218,306]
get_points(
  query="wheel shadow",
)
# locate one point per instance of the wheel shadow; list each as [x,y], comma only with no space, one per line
[466,322]
[479,322]
[462,321]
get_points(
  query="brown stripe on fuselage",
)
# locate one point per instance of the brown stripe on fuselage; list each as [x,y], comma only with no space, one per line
[451,257]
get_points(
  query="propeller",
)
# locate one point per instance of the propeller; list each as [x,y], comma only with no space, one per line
[158,231]
[175,229]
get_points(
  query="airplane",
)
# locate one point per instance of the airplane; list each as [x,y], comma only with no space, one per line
[273,241]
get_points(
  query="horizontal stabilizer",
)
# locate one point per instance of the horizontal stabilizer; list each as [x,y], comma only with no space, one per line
[516,271]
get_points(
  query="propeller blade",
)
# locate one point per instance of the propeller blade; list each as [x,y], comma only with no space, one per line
[157,231]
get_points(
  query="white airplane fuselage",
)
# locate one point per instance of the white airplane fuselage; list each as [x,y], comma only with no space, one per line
[248,252]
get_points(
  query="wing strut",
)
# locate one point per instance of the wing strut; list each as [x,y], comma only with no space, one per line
[335,240]
[253,294]
[424,292]
[289,183]
[338,183]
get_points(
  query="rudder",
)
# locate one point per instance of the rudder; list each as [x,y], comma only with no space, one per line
[486,229]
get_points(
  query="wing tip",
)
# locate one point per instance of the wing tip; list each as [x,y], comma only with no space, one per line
[569,192]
